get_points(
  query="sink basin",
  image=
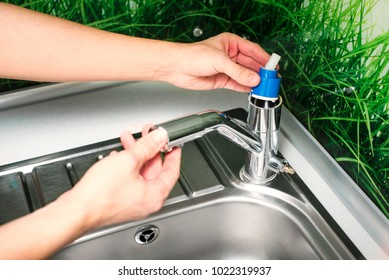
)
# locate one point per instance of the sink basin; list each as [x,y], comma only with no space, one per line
[317,213]
[211,214]
[234,228]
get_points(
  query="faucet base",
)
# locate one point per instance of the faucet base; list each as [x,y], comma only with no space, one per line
[246,178]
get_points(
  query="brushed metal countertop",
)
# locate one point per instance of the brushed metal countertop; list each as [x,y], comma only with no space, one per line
[34,124]
[98,114]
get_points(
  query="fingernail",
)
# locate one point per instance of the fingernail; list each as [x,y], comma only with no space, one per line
[160,136]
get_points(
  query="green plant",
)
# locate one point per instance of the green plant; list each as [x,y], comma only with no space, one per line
[336,83]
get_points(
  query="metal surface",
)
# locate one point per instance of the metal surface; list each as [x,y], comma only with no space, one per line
[259,137]
[39,181]
[264,121]
[244,230]
[360,219]
[146,234]
[85,117]
[49,91]
[274,221]
[102,113]
[189,128]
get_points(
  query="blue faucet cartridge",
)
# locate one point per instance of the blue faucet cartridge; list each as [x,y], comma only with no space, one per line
[269,87]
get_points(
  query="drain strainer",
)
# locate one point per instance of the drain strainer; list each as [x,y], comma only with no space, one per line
[146,234]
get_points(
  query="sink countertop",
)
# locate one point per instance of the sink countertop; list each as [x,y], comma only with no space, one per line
[96,115]
[86,113]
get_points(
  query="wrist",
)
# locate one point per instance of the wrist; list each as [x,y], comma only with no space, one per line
[169,61]
[77,210]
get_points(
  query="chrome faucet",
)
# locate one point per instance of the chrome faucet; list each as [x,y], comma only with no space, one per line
[264,121]
[259,136]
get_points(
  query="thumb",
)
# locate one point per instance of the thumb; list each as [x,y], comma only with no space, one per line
[240,74]
[147,147]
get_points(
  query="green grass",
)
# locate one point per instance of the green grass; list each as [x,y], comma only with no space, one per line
[334,76]
[336,83]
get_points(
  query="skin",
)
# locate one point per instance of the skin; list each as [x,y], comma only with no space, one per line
[88,54]
[133,183]
[126,185]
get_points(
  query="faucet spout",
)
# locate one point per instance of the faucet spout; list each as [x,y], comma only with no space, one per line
[195,126]
[259,137]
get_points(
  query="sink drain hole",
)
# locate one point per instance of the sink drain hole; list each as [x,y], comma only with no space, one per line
[146,234]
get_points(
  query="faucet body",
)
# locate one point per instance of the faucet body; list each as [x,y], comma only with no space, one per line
[259,136]
[263,120]
[195,126]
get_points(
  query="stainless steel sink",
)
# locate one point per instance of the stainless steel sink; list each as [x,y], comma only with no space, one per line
[230,228]
[327,214]
[211,214]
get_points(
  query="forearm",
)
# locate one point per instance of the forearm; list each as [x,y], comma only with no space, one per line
[42,233]
[39,47]
[117,189]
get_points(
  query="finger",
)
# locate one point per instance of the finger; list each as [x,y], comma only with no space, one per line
[234,45]
[249,62]
[147,147]
[252,50]
[249,57]
[222,80]
[242,75]
[127,140]
[169,173]
[146,129]
[152,168]
[231,84]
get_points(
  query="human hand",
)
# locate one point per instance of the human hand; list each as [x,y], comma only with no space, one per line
[89,54]
[130,184]
[224,61]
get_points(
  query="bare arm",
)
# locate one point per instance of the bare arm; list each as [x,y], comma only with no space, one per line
[40,234]
[40,47]
[35,46]
[126,185]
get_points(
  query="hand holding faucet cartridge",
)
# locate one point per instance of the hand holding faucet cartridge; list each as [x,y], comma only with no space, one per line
[264,114]
[259,136]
